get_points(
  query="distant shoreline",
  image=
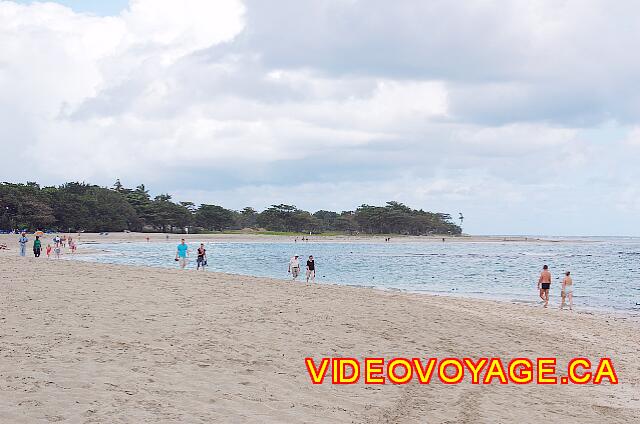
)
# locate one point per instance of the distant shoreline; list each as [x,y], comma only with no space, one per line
[122,237]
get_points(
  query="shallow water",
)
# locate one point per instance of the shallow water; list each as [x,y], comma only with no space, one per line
[606,272]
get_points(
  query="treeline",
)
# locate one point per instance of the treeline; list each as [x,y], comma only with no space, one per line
[85,207]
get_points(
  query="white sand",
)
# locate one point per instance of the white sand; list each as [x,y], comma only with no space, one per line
[82,342]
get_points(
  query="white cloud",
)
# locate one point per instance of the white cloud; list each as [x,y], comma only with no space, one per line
[171,29]
[483,106]
[633,138]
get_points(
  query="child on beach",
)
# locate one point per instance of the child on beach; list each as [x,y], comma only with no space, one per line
[49,251]
[56,251]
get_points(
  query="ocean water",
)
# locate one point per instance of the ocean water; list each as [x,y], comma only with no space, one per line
[606,272]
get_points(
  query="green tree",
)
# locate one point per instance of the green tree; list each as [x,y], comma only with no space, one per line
[83,207]
[166,216]
[140,200]
[80,206]
[248,218]
[213,217]
[24,206]
[288,218]
[277,217]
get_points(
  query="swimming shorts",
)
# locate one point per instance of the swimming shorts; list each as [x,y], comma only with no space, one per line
[545,286]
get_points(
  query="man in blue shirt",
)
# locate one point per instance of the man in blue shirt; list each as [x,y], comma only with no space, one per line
[23,244]
[181,254]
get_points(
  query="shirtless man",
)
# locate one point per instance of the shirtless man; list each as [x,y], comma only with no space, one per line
[544,284]
[567,290]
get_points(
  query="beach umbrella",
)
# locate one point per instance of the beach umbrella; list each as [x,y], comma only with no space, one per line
[39,233]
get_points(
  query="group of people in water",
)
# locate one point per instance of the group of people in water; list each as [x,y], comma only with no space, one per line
[182,252]
[544,282]
[544,285]
[56,249]
[294,268]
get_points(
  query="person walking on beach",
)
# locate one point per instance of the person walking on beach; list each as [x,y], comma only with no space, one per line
[544,284]
[56,250]
[37,247]
[181,254]
[202,257]
[567,290]
[48,251]
[23,240]
[294,267]
[311,269]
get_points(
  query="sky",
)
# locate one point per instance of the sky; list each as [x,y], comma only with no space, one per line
[524,116]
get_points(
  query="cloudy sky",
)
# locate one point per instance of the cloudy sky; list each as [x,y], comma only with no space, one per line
[525,116]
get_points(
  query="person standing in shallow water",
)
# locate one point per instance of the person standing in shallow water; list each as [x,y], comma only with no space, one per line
[567,290]
[294,268]
[311,269]
[181,254]
[202,257]
[544,284]
[37,247]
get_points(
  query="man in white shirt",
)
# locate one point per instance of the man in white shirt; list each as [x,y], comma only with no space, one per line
[294,267]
